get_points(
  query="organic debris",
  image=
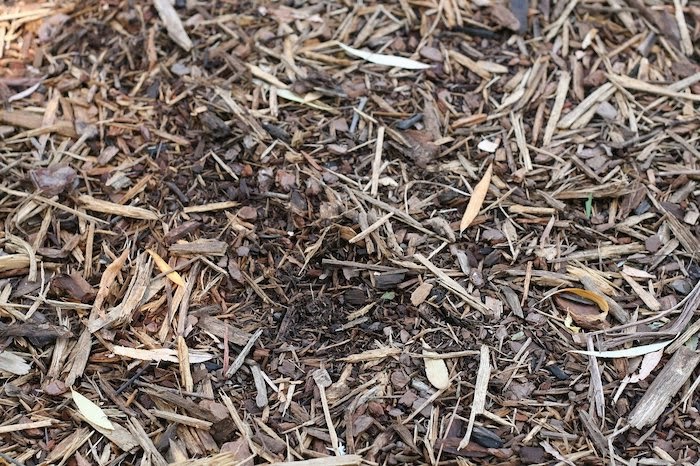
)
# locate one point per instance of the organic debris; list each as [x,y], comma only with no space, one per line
[412,232]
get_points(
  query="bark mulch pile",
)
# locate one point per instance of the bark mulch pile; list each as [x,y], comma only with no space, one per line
[339,233]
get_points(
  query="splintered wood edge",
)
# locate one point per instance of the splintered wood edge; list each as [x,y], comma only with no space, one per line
[666,384]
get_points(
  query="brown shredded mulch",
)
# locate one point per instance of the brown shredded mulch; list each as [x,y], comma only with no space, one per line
[332,233]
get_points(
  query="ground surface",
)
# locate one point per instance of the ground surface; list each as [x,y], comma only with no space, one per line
[311,203]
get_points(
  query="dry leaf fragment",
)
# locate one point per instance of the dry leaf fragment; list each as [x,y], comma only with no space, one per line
[13,363]
[91,411]
[476,201]
[166,269]
[436,370]
[289,95]
[584,314]
[649,363]
[589,295]
[386,60]
[632,352]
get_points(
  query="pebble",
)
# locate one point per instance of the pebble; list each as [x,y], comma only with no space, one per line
[431,53]
[180,69]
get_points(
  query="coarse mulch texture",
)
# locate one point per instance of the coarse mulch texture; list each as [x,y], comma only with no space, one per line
[229,235]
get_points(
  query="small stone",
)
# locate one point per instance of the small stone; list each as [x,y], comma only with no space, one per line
[408,398]
[607,111]
[431,53]
[375,409]
[248,213]
[55,388]
[682,286]
[653,243]
[399,379]
[355,297]
[532,455]
[493,236]
[426,409]
[337,149]
[476,277]
[180,69]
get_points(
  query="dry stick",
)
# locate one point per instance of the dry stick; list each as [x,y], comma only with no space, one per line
[526,284]
[596,382]
[182,349]
[238,362]
[517,124]
[16,240]
[52,203]
[480,391]
[223,165]
[420,408]
[404,217]
[452,285]
[26,425]
[377,163]
[182,419]
[690,304]
[638,85]
[9,459]
[146,443]
[559,100]
[686,41]
[323,380]
[367,231]
[647,298]
[106,207]
[597,96]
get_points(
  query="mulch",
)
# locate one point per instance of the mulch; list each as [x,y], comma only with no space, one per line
[335,233]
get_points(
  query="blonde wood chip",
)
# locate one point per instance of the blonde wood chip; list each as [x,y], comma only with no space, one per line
[211,207]
[578,115]
[106,207]
[372,355]
[559,101]
[377,162]
[648,299]
[182,419]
